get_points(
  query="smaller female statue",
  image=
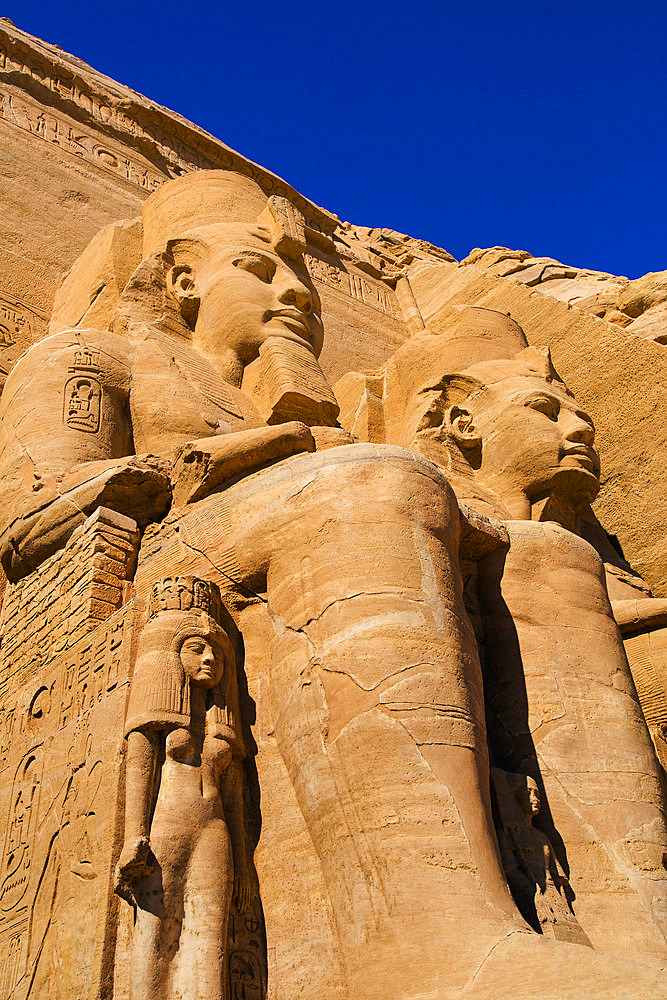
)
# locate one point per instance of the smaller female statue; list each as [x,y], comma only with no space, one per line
[184,857]
[537,881]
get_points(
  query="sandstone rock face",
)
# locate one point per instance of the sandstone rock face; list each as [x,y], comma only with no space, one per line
[329,660]
[639,306]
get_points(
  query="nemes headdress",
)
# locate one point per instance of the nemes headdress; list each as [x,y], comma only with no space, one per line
[213,197]
[181,208]
[197,200]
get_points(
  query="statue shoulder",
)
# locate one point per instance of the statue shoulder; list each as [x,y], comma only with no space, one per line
[93,348]
[50,364]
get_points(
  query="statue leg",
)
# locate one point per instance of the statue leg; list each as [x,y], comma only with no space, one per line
[378,711]
[155,940]
[207,898]
[562,707]
[159,918]
[376,698]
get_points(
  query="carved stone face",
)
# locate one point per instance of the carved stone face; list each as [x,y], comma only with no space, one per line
[535,439]
[528,797]
[532,797]
[202,658]
[247,293]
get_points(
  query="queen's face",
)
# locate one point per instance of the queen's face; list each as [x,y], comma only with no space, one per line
[248,293]
[535,439]
[529,798]
[202,659]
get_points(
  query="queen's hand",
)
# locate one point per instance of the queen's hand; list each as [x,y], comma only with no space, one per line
[136,861]
[242,891]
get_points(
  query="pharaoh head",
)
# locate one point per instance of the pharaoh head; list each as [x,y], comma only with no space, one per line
[235,266]
[510,426]
[183,646]
[521,431]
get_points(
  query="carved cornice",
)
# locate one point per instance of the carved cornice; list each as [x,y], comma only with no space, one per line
[173,144]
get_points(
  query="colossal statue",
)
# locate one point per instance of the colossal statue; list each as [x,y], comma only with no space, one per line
[420,608]
[516,445]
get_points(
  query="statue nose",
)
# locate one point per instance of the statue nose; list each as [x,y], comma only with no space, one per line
[580,429]
[295,293]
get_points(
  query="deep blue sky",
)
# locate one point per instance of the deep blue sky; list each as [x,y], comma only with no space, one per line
[533,125]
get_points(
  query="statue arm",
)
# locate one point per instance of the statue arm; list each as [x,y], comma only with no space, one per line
[140,486]
[234,810]
[137,486]
[136,859]
[58,462]
[201,467]
[555,868]
[642,614]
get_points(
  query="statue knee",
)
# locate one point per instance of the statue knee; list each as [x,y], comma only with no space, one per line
[398,485]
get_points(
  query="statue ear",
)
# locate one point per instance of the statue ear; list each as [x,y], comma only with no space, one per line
[461,427]
[182,285]
[432,415]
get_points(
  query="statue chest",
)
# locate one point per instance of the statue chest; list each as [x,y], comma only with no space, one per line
[177,396]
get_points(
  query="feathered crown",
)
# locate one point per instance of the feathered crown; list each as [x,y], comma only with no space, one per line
[185,593]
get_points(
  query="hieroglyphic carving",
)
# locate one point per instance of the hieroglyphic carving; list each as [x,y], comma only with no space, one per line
[182,146]
[76,681]
[53,822]
[11,949]
[67,857]
[324,271]
[12,323]
[246,966]
[244,976]
[371,293]
[92,670]
[83,393]
[20,325]
[15,61]
[65,133]
[20,830]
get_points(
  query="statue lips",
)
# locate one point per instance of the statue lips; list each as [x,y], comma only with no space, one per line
[207,674]
[585,456]
[296,321]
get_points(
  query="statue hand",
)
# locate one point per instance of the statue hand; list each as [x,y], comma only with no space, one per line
[203,466]
[136,861]
[247,447]
[331,437]
[296,436]
[242,892]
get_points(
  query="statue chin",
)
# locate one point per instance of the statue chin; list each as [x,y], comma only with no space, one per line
[575,485]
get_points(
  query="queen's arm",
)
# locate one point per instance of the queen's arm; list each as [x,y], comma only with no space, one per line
[136,859]
[234,809]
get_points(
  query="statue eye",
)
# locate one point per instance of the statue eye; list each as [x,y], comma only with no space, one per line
[261,267]
[549,407]
[194,646]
